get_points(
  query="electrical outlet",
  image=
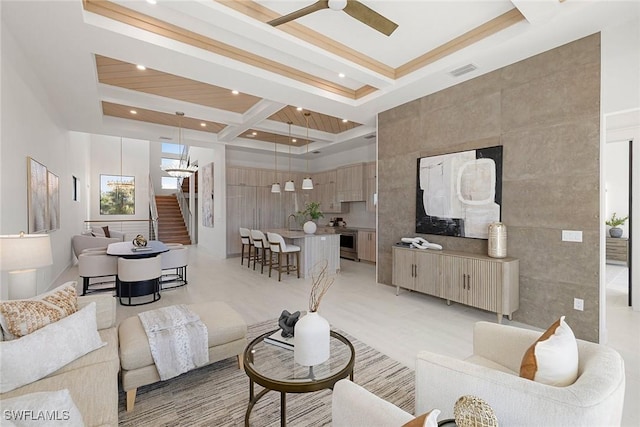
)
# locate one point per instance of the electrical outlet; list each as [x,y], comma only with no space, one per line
[578,304]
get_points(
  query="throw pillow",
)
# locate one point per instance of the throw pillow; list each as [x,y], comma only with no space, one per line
[21,317]
[430,419]
[50,408]
[105,229]
[553,358]
[48,349]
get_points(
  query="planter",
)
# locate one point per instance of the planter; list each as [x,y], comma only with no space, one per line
[615,232]
[310,227]
[311,335]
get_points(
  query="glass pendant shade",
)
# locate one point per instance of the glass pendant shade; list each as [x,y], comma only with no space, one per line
[181,168]
[307,184]
[275,187]
[289,186]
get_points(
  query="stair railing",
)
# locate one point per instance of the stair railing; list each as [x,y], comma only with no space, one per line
[153,212]
[183,202]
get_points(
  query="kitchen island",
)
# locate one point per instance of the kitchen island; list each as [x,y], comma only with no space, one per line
[324,244]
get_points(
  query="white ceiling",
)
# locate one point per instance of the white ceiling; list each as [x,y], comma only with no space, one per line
[60,38]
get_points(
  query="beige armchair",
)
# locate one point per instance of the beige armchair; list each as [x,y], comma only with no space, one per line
[491,373]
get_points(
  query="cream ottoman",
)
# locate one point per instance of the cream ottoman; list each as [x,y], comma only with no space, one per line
[227,338]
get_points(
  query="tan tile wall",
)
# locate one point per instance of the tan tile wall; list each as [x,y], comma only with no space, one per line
[545,111]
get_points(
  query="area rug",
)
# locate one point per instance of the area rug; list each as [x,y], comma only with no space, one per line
[218,394]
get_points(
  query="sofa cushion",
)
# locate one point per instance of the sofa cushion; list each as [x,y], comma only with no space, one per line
[24,361]
[553,358]
[56,407]
[21,317]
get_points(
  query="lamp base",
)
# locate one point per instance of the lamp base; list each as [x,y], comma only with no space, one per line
[23,284]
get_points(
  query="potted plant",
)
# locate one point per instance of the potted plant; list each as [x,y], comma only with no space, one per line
[615,223]
[312,211]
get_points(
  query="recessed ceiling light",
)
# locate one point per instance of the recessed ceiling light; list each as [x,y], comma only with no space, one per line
[133,112]
[342,75]
[204,125]
[141,67]
[299,108]
[254,133]
[294,140]
[235,92]
[344,120]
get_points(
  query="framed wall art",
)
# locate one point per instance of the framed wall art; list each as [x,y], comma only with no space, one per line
[207,195]
[53,200]
[459,194]
[37,197]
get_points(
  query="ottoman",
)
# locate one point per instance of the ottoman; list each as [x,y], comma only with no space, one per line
[227,338]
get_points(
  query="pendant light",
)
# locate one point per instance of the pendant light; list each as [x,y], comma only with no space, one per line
[307,183]
[290,186]
[183,169]
[275,187]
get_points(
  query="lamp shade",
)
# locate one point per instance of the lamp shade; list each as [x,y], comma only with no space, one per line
[289,186]
[25,251]
[275,187]
[307,184]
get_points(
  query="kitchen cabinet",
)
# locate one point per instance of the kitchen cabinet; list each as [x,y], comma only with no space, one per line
[350,183]
[367,245]
[371,186]
[479,281]
[324,191]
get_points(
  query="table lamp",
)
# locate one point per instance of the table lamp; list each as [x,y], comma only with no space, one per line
[21,254]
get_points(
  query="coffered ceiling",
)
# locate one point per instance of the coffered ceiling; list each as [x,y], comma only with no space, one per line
[326,63]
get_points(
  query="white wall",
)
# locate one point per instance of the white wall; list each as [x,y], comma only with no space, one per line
[105,160]
[31,127]
[616,169]
[362,154]
[213,239]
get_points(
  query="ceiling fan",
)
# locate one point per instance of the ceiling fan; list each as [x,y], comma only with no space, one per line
[353,7]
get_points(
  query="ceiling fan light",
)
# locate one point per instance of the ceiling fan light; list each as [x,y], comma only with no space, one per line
[275,187]
[289,186]
[307,184]
[337,4]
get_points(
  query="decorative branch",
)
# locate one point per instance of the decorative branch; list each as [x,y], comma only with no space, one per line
[321,284]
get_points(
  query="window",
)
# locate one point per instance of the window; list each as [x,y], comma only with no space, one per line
[170,148]
[169,183]
[117,195]
[165,162]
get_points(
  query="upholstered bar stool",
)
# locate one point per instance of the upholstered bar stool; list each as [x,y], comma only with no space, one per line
[245,239]
[279,248]
[97,264]
[139,277]
[175,262]
[260,246]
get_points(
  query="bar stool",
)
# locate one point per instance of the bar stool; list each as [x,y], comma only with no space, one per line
[260,246]
[245,239]
[139,277]
[279,247]
[97,264]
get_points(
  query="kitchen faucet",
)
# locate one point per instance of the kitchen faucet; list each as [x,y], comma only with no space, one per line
[289,220]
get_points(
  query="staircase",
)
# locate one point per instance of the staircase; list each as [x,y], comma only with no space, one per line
[171,227]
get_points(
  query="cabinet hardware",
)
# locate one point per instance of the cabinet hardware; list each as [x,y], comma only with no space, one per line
[468,282]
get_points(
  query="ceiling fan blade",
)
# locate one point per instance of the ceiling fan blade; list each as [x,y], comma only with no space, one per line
[370,17]
[319,5]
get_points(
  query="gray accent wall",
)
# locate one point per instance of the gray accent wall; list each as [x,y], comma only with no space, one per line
[545,112]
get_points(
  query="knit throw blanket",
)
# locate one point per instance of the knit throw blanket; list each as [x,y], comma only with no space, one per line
[178,339]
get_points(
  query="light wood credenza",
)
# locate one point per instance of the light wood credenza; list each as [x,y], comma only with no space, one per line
[480,281]
[618,249]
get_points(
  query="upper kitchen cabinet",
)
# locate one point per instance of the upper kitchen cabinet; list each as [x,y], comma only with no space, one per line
[351,183]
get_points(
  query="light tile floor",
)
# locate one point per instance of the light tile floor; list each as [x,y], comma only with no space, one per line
[398,326]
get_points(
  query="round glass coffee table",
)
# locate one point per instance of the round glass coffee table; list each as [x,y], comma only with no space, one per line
[273,368]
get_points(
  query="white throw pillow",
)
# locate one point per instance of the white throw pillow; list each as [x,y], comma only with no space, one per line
[553,358]
[46,408]
[48,349]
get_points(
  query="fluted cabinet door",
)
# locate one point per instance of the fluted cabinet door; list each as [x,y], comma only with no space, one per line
[241,212]
[403,268]
[428,273]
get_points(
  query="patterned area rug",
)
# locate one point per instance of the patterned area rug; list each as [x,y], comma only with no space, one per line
[218,394]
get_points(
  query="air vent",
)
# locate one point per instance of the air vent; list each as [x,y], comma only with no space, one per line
[370,136]
[463,70]
[315,152]
[166,138]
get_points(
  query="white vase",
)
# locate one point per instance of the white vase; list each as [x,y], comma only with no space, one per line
[309,227]
[311,340]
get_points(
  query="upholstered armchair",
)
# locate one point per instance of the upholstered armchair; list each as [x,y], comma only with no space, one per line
[491,373]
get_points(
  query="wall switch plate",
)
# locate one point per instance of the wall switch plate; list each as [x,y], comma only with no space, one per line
[571,236]
[578,304]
